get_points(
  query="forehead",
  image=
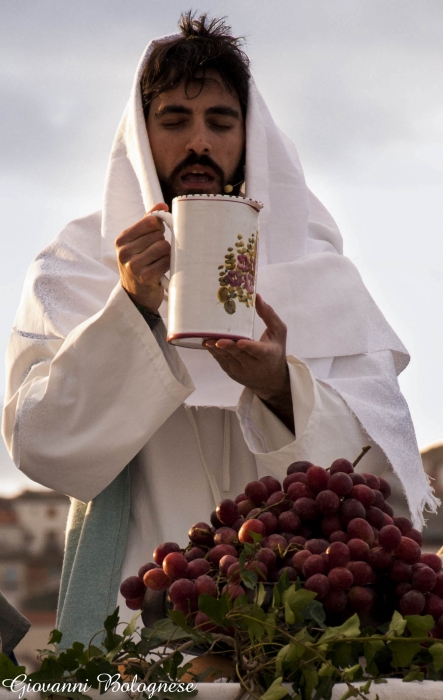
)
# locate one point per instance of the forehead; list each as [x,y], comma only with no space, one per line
[199,94]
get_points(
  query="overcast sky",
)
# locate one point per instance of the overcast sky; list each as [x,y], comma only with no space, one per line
[355,83]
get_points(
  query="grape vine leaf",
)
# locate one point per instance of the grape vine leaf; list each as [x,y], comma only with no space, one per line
[8,669]
[55,637]
[436,651]
[350,628]
[371,647]
[414,675]
[310,677]
[419,625]
[397,624]
[286,657]
[403,652]
[215,609]
[130,629]
[275,691]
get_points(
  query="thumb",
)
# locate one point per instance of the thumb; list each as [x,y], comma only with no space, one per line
[273,322]
[161,206]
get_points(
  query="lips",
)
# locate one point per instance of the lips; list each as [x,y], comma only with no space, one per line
[197,175]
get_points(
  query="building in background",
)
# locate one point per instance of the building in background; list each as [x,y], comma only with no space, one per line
[32,532]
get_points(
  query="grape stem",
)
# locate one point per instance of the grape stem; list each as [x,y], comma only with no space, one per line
[361,455]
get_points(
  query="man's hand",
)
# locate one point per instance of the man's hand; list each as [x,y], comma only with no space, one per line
[260,365]
[143,256]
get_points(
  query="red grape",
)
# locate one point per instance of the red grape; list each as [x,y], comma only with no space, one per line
[291,573]
[438,588]
[300,558]
[389,537]
[227,511]
[372,481]
[203,623]
[299,467]
[412,603]
[432,560]
[358,527]
[350,509]
[257,492]
[268,557]
[225,562]
[339,536]
[272,485]
[341,465]
[433,605]
[379,501]
[424,579]
[316,546]
[357,478]
[375,517]
[379,559]
[198,567]
[270,522]
[163,549]
[400,571]
[360,598]
[415,535]
[156,580]
[327,502]
[363,494]
[175,565]
[205,584]
[358,549]
[340,483]
[315,564]
[289,522]
[338,554]
[132,587]
[330,524]
[361,572]
[245,507]
[135,604]
[201,533]
[403,588]
[403,524]
[181,591]
[306,509]
[278,502]
[233,573]
[386,508]
[219,551]
[385,487]
[215,522]
[335,601]
[194,553]
[408,550]
[260,569]
[146,567]
[317,479]
[253,525]
[240,497]
[318,584]
[298,490]
[388,519]
[340,577]
[277,543]
[225,535]
[297,477]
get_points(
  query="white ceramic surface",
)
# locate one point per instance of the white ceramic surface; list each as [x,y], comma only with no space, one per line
[213,268]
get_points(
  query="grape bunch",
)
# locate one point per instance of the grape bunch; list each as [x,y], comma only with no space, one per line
[332,529]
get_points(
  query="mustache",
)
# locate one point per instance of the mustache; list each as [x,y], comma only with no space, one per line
[194,159]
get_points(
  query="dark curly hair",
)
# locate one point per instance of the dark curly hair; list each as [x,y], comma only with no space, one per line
[204,44]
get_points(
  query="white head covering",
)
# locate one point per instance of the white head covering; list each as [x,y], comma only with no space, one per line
[317,292]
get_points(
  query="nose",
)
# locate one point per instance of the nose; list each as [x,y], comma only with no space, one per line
[199,141]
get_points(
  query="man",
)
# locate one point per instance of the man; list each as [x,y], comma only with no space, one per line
[145,437]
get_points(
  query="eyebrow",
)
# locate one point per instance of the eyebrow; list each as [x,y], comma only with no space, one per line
[179,109]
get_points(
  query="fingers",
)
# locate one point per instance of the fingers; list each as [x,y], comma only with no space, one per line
[147,225]
[274,324]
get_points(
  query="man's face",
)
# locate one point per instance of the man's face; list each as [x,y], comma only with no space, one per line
[197,139]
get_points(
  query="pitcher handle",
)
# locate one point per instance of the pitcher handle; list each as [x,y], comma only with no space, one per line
[166,217]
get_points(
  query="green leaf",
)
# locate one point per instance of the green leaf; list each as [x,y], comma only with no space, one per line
[55,637]
[130,629]
[260,595]
[353,672]
[295,603]
[179,619]
[112,620]
[397,624]
[249,578]
[371,647]
[419,625]
[350,628]
[350,693]
[366,687]
[403,652]
[326,670]
[275,691]
[215,609]
[324,689]
[310,677]
[287,656]
[413,676]
[315,611]
[254,624]
[271,624]
[8,669]
[436,651]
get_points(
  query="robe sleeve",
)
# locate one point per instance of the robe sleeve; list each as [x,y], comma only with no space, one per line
[325,427]
[78,409]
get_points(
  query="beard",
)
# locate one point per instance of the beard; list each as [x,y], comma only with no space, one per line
[171,186]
